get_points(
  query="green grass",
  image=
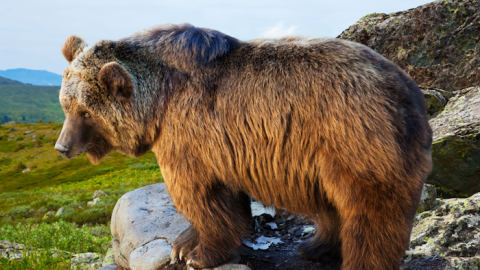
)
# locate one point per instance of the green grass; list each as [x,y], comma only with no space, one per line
[51,245]
[60,235]
[47,167]
[29,201]
[29,103]
[31,206]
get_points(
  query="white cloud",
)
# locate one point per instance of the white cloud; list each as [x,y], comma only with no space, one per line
[279,30]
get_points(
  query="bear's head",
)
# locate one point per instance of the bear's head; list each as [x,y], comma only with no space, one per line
[97,99]
[113,93]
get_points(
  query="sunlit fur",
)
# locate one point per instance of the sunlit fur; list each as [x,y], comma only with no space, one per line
[322,127]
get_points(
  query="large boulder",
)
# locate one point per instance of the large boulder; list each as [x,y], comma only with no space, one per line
[437,43]
[145,223]
[456,148]
[450,232]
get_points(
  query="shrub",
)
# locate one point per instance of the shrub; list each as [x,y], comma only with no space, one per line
[40,121]
[20,212]
[60,235]
[19,166]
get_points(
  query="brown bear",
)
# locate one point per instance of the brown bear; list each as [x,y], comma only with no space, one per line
[322,127]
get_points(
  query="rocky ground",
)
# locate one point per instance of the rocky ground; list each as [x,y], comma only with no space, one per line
[446,235]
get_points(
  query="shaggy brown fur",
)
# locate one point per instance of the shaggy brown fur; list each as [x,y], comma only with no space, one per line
[322,127]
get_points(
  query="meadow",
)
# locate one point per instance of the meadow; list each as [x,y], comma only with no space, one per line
[35,182]
[30,103]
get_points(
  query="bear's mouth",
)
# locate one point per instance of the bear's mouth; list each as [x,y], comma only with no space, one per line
[71,155]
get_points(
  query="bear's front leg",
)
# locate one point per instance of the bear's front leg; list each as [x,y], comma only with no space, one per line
[219,217]
[185,242]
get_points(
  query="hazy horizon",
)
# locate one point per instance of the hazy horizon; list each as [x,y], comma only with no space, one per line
[34,31]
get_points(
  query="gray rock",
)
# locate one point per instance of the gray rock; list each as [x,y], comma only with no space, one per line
[60,211]
[12,129]
[427,201]
[92,203]
[143,216]
[456,148]
[28,132]
[86,261]
[434,100]
[98,194]
[112,266]
[151,256]
[230,267]
[145,223]
[14,251]
[11,250]
[109,258]
[34,135]
[452,230]
[49,214]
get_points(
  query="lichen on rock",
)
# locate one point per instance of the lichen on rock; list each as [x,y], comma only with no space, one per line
[451,230]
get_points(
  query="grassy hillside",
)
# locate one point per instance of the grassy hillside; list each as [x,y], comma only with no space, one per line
[35,77]
[35,179]
[6,81]
[29,103]
[35,182]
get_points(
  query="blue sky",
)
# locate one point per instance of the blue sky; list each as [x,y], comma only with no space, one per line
[32,31]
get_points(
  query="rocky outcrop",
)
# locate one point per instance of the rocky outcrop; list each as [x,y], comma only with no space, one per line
[450,232]
[456,146]
[437,44]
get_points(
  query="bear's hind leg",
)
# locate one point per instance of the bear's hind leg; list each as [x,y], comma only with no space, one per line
[376,225]
[325,245]
[219,217]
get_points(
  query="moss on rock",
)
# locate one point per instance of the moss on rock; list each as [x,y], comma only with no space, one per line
[456,146]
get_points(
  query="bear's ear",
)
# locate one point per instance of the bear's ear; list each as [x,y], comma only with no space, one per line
[72,47]
[188,47]
[116,80]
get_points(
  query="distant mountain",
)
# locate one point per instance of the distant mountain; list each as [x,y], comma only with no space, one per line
[35,77]
[5,81]
[30,103]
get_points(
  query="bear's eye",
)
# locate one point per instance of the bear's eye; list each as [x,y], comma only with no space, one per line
[86,115]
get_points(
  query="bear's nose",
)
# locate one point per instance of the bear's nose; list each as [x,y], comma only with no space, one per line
[62,149]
